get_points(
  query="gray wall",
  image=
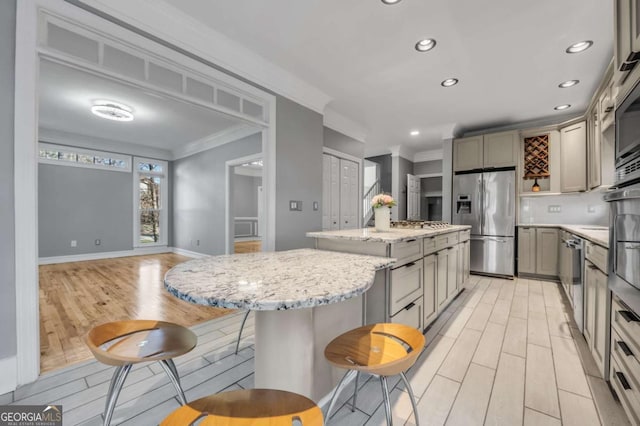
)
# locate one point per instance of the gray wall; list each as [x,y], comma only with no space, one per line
[298,173]
[343,143]
[199,195]
[7,218]
[385,171]
[83,204]
[245,195]
[427,167]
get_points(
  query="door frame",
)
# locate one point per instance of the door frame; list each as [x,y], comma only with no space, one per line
[360,162]
[26,366]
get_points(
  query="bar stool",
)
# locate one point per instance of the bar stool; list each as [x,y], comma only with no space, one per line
[247,406]
[244,319]
[124,343]
[381,350]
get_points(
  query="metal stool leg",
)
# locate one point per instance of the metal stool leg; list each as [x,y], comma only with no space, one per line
[413,398]
[387,402]
[335,395]
[171,370]
[117,380]
[240,332]
[355,393]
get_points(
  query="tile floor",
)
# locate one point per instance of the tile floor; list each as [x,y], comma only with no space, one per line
[503,353]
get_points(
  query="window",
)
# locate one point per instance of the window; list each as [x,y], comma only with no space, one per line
[150,200]
[77,157]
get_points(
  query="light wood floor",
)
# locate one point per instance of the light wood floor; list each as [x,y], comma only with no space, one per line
[74,297]
[503,353]
[247,246]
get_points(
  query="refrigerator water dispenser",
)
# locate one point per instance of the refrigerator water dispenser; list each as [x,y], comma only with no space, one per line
[463,204]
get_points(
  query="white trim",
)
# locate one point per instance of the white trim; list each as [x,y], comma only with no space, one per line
[429,175]
[172,25]
[188,253]
[77,151]
[164,202]
[338,122]
[212,141]
[228,220]
[8,375]
[138,251]
[430,155]
[340,154]
[401,151]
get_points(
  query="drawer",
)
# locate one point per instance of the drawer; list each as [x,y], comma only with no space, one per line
[411,315]
[626,358]
[626,389]
[406,285]
[464,235]
[429,245]
[598,255]
[406,251]
[626,324]
[446,240]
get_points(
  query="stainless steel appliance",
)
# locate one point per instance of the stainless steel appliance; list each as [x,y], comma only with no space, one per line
[419,224]
[628,139]
[624,244]
[486,201]
[571,276]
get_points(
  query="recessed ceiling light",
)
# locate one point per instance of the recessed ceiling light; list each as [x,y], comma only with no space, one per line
[112,110]
[581,46]
[449,82]
[561,107]
[425,45]
[568,83]
[390,1]
[414,132]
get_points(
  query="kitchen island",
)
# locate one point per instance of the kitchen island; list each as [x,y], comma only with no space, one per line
[302,298]
[432,266]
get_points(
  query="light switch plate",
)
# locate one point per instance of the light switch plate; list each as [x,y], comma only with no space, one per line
[295,205]
[554,209]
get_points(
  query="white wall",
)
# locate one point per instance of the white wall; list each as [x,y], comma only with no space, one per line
[575,209]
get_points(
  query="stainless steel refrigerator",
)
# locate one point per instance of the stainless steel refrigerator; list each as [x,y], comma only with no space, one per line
[486,201]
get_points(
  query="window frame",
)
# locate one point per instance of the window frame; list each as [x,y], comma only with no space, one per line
[163,209]
[82,151]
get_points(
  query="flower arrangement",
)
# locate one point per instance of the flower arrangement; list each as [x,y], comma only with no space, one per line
[382,200]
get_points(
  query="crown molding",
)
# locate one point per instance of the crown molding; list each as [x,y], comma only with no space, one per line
[430,155]
[171,25]
[338,122]
[401,151]
[217,139]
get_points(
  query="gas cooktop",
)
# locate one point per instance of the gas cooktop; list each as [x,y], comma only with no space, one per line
[419,224]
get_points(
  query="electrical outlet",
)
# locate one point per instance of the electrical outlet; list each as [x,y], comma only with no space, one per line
[74,243]
[295,205]
[591,209]
[554,209]
[316,206]
[98,242]
[197,242]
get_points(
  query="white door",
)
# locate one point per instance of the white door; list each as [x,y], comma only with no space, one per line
[330,192]
[413,197]
[349,194]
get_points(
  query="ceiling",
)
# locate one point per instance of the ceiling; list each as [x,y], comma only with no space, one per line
[509,56]
[67,94]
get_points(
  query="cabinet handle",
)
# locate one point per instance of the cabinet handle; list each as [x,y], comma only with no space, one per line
[409,306]
[623,381]
[632,246]
[411,240]
[628,316]
[592,267]
[624,348]
[408,265]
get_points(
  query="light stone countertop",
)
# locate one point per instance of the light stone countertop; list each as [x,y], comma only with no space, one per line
[594,233]
[394,235]
[280,280]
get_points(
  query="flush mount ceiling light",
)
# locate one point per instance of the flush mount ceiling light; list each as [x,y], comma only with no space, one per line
[112,110]
[449,82]
[425,45]
[414,132]
[390,1]
[562,107]
[580,46]
[568,83]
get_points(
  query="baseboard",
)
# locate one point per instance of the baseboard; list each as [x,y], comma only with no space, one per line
[104,255]
[188,253]
[8,375]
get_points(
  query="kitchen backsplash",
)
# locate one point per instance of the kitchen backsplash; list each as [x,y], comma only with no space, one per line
[585,208]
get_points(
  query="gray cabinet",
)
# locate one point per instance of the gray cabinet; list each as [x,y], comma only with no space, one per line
[430,306]
[594,171]
[442,273]
[527,250]
[597,302]
[452,272]
[547,245]
[485,151]
[573,158]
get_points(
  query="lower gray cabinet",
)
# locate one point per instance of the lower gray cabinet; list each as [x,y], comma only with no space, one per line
[538,251]
[430,280]
[442,273]
[527,250]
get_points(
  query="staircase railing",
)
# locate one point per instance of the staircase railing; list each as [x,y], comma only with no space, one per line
[367,211]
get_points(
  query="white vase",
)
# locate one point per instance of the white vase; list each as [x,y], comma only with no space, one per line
[382,218]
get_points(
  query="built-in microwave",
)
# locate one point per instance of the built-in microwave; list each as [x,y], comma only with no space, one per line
[628,139]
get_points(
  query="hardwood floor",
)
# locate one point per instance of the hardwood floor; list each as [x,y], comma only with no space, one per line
[74,297]
[502,353]
[247,246]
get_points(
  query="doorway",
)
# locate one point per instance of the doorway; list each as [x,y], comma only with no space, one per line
[246,198]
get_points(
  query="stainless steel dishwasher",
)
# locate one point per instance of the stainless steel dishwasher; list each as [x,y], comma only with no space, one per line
[572,265]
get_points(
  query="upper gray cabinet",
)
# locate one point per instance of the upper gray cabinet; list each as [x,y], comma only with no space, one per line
[573,158]
[626,45]
[485,151]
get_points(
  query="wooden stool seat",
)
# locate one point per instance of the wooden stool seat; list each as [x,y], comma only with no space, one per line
[124,343]
[379,349]
[247,407]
